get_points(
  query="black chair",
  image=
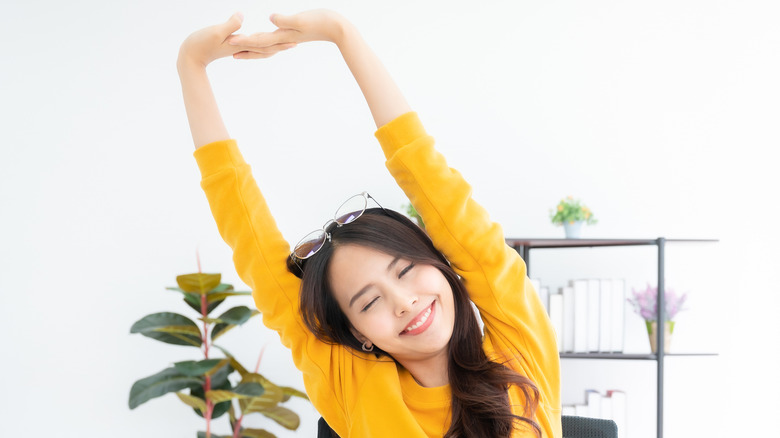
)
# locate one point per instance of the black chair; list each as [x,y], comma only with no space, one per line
[573,427]
[585,427]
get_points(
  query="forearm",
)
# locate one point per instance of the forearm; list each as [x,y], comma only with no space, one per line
[206,125]
[383,96]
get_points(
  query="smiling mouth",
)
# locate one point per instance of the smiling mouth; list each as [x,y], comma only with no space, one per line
[420,323]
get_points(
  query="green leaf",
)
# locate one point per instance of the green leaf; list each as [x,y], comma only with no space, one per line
[222,295]
[236,365]
[196,368]
[288,392]
[237,315]
[272,396]
[224,384]
[193,402]
[221,395]
[250,389]
[219,330]
[285,417]
[256,433]
[167,380]
[170,328]
[198,283]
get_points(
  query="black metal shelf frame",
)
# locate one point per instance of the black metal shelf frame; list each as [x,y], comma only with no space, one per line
[524,247]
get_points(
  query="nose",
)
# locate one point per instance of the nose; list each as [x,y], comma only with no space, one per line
[404,304]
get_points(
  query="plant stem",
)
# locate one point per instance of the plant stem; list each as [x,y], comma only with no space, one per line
[207,385]
[237,429]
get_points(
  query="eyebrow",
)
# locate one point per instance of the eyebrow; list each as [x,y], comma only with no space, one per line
[368,286]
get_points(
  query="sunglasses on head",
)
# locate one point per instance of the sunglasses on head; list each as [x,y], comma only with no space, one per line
[348,212]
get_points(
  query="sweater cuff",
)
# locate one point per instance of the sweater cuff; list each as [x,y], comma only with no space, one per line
[401,131]
[213,157]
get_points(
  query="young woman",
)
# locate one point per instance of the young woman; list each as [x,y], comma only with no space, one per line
[376,313]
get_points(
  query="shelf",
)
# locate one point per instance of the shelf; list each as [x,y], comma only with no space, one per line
[623,356]
[585,243]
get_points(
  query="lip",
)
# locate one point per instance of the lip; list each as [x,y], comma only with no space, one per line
[424,325]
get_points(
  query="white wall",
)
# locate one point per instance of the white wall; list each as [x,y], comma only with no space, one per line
[661,115]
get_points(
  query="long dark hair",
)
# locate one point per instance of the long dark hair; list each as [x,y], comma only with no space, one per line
[480,403]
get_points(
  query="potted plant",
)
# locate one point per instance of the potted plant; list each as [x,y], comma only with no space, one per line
[412,213]
[205,384]
[645,303]
[571,213]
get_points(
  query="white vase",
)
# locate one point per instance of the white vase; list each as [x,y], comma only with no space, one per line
[572,229]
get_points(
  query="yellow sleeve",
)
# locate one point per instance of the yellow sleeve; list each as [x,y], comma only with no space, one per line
[259,254]
[516,323]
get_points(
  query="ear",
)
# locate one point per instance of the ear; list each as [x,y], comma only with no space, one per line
[359,336]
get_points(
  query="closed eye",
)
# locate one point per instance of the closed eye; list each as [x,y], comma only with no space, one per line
[368,306]
[405,270]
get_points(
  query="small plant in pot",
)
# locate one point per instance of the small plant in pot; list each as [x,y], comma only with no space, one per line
[205,384]
[645,303]
[572,214]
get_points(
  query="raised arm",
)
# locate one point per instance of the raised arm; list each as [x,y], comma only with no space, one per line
[384,99]
[196,53]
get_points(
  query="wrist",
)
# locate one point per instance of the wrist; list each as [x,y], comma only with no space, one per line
[186,62]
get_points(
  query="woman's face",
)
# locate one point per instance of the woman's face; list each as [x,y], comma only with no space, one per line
[403,308]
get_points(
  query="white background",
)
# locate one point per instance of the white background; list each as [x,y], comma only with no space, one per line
[662,116]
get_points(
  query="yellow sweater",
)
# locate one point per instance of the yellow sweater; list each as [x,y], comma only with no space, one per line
[357,394]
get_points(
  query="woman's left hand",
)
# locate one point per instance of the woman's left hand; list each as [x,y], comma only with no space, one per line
[315,25]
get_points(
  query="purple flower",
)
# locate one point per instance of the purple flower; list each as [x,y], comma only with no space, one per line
[646,305]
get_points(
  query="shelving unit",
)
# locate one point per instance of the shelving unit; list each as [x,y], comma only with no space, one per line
[524,247]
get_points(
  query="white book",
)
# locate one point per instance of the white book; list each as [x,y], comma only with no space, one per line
[605,315]
[594,403]
[618,314]
[581,410]
[618,399]
[544,295]
[536,283]
[568,410]
[580,316]
[594,288]
[567,293]
[606,408]
[556,317]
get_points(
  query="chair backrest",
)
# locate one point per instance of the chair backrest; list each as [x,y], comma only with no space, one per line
[324,431]
[585,427]
[573,427]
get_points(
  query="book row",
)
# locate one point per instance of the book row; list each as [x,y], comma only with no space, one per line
[588,314]
[609,406]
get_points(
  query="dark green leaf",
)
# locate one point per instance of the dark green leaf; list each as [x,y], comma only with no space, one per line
[249,388]
[219,408]
[169,327]
[237,315]
[198,283]
[167,380]
[196,368]
[219,330]
[223,295]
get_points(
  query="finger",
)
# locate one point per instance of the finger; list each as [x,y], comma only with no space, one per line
[252,55]
[265,52]
[284,21]
[233,23]
[264,39]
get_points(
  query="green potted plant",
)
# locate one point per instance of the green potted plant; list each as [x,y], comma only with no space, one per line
[414,215]
[211,384]
[572,214]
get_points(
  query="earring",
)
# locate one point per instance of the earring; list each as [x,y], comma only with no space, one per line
[366,348]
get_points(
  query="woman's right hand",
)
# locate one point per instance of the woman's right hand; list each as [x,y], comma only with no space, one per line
[211,43]
[315,25]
